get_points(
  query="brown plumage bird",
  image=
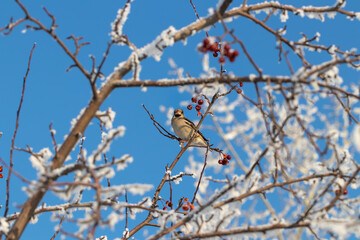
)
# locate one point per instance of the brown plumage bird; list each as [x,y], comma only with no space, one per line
[184,128]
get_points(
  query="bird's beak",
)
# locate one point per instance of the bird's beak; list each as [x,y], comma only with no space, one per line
[177,113]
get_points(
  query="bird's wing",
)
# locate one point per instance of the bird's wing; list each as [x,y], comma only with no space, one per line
[192,125]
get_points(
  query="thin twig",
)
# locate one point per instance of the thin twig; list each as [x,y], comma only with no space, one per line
[14,136]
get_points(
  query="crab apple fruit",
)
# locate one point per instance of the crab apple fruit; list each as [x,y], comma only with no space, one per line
[200,102]
[225,162]
[215,54]
[164,208]
[220,161]
[189,107]
[228,157]
[198,107]
[235,53]
[185,207]
[193,99]
[192,207]
[241,84]
[206,42]
[221,60]
[213,47]
[227,48]
[238,90]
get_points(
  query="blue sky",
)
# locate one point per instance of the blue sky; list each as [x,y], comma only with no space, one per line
[54,95]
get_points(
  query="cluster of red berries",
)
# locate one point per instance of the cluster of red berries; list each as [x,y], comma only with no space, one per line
[1,169]
[169,204]
[225,160]
[198,106]
[337,192]
[224,51]
[187,205]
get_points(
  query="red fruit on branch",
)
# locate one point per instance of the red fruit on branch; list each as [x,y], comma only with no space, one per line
[193,99]
[206,42]
[189,107]
[225,162]
[198,107]
[221,60]
[213,47]
[200,102]
[185,207]
[227,48]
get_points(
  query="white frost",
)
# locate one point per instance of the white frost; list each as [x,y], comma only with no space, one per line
[155,48]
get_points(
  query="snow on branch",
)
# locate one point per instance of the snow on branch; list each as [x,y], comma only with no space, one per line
[105,145]
[118,24]
[155,48]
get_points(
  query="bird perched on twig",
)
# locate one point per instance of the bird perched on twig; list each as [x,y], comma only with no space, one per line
[184,129]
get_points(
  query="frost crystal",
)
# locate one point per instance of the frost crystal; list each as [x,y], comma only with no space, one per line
[155,49]
[135,65]
[117,25]
[104,146]
[106,117]
[284,16]
[4,225]
[40,159]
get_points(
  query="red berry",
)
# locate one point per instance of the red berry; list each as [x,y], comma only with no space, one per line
[238,90]
[185,207]
[231,59]
[215,54]
[213,47]
[225,162]
[241,84]
[193,99]
[198,107]
[164,208]
[220,161]
[1,175]
[1,168]
[228,157]
[345,192]
[192,207]
[206,42]
[200,102]
[227,47]
[235,53]
[167,203]
[221,60]
[189,107]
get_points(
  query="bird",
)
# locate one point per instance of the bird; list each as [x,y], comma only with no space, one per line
[184,129]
